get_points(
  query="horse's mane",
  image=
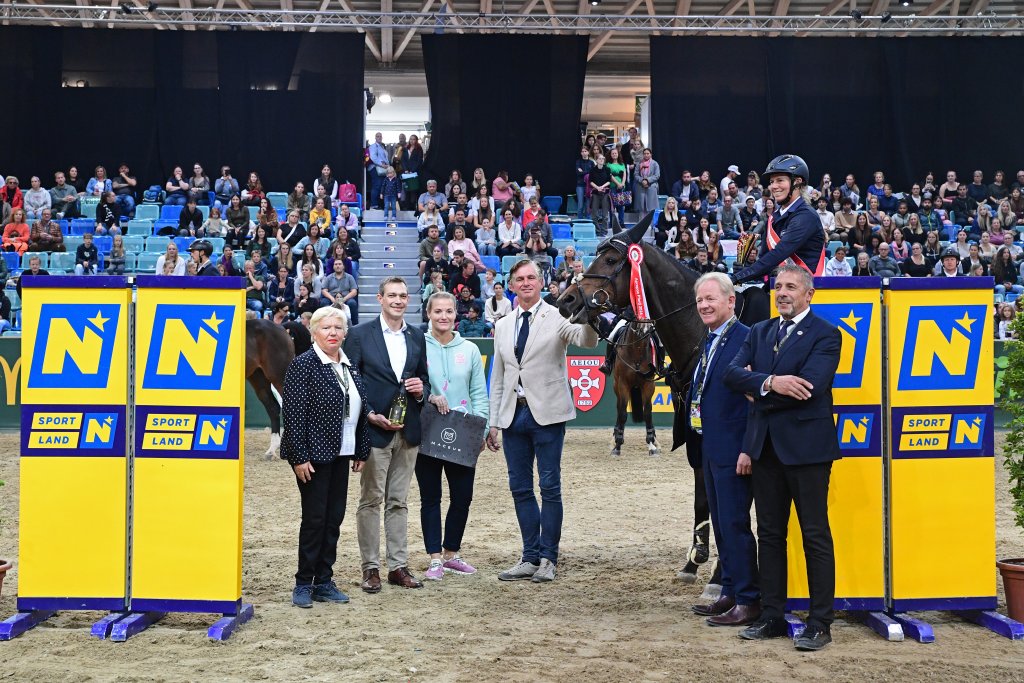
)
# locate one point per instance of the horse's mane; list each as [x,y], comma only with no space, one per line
[688,273]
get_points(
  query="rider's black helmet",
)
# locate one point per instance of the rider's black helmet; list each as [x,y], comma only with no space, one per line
[791,165]
[203,246]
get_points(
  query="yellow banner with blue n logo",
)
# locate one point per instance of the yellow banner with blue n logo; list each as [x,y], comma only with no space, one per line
[74,461]
[189,390]
[941,449]
[855,496]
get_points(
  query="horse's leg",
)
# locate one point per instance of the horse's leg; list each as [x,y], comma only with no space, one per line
[618,433]
[652,437]
[262,386]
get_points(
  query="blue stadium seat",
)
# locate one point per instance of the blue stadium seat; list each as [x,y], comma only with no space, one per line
[253,210]
[509,261]
[71,242]
[129,261]
[170,212]
[584,232]
[134,243]
[140,227]
[587,247]
[205,210]
[156,244]
[218,244]
[63,262]
[80,226]
[162,223]
[551,203]
[492,262]
[183,243]
[103,243]
[282,214]
[146,262]
[559,260]
[278,199]
[561,231]
[147,212]
[65,225]
[571,205]
[587,260]
[560,245]
[13,261]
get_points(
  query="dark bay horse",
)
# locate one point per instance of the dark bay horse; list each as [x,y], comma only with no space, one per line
[268,351]
[633,375]
[604,288]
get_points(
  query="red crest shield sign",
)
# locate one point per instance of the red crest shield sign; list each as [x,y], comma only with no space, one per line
[586,380]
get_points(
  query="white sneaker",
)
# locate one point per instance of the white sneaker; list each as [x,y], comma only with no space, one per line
[520,572]
[545,573]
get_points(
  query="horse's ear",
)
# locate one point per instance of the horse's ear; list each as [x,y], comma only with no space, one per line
[637,232]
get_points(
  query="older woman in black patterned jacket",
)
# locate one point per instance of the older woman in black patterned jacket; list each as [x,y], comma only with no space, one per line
[325,413]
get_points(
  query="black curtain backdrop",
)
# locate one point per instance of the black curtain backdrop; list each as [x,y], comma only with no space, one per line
[905,106]
[157,99]
[526,121]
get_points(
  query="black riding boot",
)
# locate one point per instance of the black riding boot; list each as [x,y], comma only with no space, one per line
[609,358]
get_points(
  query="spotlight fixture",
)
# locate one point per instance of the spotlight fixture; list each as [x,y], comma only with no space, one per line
[906,3]
[595,3]
[886,17]
[856,15]
[385,98]
[152,6]
[370,99]
[126,8]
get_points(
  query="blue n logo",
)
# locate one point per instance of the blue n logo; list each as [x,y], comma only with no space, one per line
[968,431]
[943,347]
[74,346]
[854,430]
[189,347]
[212,433]
[854,323]
[98,430]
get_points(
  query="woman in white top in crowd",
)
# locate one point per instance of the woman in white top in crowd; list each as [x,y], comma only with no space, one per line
[510,236]
[528,189]
[177,266]
[497,306]
[838,266]
[431,216]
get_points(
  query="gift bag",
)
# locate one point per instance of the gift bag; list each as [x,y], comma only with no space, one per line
[455,437]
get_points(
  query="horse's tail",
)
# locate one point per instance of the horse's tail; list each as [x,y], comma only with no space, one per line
[637,400]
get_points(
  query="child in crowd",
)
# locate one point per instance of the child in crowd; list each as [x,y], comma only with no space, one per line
[86,256]
[213,226]
[390,191]
[116,258]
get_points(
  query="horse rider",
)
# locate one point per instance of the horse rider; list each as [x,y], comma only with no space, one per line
[794,231]
[202,251]
[615,327]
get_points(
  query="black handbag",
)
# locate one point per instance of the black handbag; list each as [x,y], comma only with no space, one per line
[455,437]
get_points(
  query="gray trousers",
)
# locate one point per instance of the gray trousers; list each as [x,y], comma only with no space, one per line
[385,478]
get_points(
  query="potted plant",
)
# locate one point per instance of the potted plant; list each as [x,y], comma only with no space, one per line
[1012,569]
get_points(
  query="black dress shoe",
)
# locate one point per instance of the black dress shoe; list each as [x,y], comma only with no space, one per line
[740,615]
[719,606]
[813,638]
[763,629]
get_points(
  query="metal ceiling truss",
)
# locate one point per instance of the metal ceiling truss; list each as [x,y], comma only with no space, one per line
[189,16]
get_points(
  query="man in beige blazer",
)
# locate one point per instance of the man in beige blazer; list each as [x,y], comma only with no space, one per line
[531,401]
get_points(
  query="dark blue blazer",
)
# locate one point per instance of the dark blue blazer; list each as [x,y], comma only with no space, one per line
[800,233]
[312,404]
[802,432]
[366,349]
[723,411]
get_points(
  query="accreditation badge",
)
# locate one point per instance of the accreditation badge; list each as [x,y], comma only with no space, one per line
[695,422]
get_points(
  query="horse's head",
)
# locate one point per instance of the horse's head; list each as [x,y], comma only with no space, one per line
[604,286]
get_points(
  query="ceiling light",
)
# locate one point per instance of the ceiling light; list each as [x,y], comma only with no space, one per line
[886,16]
[906,3]
[595,3]
[856,14]
[385,98]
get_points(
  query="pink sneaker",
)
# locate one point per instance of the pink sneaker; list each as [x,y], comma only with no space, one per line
[457,565]
[435,572]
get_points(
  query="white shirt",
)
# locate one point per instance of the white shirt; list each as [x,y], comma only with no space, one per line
[718,331]
[501,308]
[355,403]
[797,319]
[395,343]
[519,322]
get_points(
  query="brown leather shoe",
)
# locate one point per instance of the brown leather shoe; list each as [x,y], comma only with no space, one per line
[404,578]
[719,606]
[371,581]
[739,615]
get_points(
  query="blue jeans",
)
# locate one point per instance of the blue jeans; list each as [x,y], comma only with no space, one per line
[353,309]
[390,206]
[526,442]
[125,205]
[376,184]
[485,249]
[175,200]
[254,305]
[581,205]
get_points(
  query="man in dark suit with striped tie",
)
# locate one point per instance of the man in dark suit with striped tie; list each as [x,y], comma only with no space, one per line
[787,367]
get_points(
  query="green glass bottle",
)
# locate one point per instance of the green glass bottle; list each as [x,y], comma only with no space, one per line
[400,406]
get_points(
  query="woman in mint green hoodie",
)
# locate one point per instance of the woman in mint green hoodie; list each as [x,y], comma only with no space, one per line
[457,381]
